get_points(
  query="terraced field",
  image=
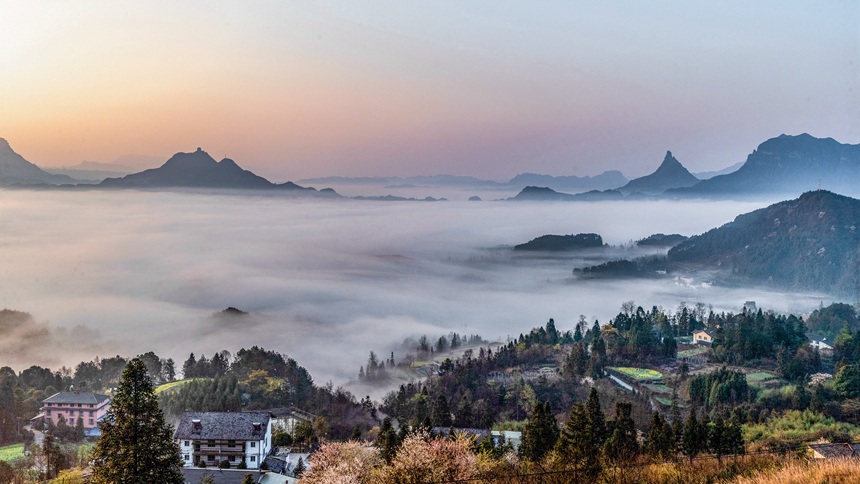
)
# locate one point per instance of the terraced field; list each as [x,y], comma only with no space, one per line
[638,374]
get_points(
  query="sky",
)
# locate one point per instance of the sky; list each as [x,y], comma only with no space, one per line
[395,88]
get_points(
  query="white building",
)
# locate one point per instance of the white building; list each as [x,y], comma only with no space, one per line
[235,437]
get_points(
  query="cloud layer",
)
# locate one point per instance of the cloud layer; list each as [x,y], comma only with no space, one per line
[325,281]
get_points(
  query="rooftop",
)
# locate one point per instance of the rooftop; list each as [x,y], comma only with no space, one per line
[222,425]
[76,397]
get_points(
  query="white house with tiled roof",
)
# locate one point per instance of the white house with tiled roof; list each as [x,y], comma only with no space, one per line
[89,407]
[213,437]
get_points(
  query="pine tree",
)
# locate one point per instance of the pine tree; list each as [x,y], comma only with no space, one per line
[540,433]
[596,419]
[694,441]
[300,468]
[441,412]
[136,445]
[576,445]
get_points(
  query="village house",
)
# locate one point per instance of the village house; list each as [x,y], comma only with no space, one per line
[834,451]
[211,438]
[821,343]
[70,406]
[703,337]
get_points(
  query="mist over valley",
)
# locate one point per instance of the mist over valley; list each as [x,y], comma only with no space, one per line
[325,281]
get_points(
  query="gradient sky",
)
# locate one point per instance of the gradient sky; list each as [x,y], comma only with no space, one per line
[490,89]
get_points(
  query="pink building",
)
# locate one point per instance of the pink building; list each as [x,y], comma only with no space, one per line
[88,406]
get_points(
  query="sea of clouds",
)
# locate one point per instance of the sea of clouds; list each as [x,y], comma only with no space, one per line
[325,281]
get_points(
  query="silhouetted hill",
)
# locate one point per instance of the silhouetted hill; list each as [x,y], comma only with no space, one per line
[788,164]
[15,170]
[542,194]
[670,174]
[604,181]
[199,170]
[557,243]
[812,242]
[661,240]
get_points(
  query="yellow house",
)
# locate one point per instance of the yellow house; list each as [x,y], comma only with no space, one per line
[703,337]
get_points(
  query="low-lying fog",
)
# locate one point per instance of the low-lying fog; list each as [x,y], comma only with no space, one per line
[107,273]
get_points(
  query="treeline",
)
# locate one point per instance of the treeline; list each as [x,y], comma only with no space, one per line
[588,447]
[21,394]
[376,370]
[257,378]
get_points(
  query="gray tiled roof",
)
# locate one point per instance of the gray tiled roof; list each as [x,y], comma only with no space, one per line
[222,425]
[75,397]
[219,476]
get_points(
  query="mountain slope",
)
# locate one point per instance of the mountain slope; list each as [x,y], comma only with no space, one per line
[15,170]
[812,242]
[604,181]
[670,174]
[791,165]
[196,169]
[199,170]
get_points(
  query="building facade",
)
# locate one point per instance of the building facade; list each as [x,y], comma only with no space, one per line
[69,406]
[210,438]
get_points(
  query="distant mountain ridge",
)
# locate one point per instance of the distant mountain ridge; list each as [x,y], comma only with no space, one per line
[15,170]
[787,164]
[670,174]
[812,242]
[606,180]
[199,170]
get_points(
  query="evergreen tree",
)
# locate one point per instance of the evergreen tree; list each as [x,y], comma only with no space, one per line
[136,445]
[660,441]
[387,441]
[576,445]
[540,433]
[441,412]
[300,468]
[622,446]
[695,437]
[596,419]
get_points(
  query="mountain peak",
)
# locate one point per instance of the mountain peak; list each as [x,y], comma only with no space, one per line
[670,174]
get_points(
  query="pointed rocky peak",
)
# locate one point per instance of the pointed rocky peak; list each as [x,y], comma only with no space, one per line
[672,165]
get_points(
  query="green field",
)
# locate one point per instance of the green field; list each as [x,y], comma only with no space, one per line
[169,386]
[759,376]
[657,387]
[639,374]
[11,452]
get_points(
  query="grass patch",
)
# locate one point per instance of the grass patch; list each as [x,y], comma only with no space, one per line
[11,452]
[639,374]
[692,352]
[174,384]
[657,387]
[799,426]
[759,376]
[664,401]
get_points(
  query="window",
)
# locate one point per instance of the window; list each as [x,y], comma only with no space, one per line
[91,422]
[185,457]
[210,457]
[253,444]
[92,413]
[253,458]
[185,443]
